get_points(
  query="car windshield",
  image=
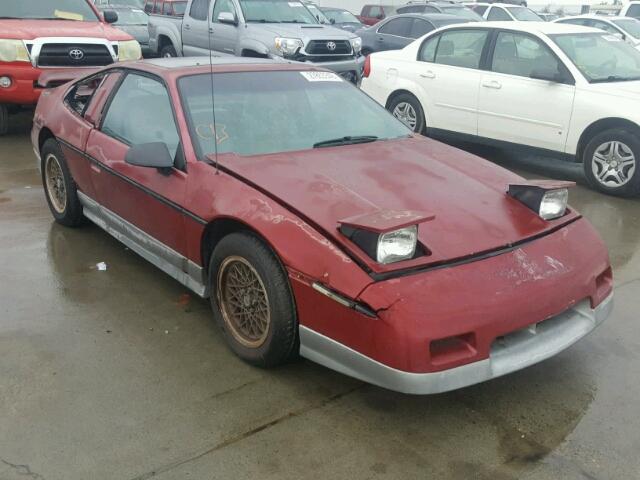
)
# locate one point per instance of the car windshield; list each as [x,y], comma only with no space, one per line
[524,14]
[131,17]
[601,57]
[341,16]
[629,25]
[259,113]
[463,12]
[78,10]
[276,11]
[317,13]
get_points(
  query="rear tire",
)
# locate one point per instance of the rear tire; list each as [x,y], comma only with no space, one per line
[611,162]
[406,108]
[59,188]
[168,51]
[4,119]
[252,301]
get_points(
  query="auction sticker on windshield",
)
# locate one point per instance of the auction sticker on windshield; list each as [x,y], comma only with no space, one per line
[321,76]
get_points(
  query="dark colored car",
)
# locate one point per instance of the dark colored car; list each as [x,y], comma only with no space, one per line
[341,18]
[135,22]
[171,8]
[318,225]
[372,14]
[399,31]
[450,8]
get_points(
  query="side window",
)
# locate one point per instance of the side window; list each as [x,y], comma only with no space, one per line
[517,54]
[400,27]
[157,7]
[375,12]
[430,9]
[461,48]
[634,11]
[140,112]
[420,28]
[479,9]
[199,9]
[412,9]
[223,6]
[80,96]
[166,8]
[498,14]
[428,49]
[605,26]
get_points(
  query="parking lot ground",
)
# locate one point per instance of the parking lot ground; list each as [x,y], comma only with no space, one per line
[121,374]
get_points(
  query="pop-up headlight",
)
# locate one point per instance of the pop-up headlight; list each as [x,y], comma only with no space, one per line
[547,198]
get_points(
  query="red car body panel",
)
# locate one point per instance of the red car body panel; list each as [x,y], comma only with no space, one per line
[495,266]
[23,74]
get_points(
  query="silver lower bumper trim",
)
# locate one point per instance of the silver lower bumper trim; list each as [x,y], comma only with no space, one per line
[514,352]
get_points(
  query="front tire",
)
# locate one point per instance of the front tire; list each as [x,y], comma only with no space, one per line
[60,189]
[407,109]
[611,162]
[252,301]
[4,119]
[168,51]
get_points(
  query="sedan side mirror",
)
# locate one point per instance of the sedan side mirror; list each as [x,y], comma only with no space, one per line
[151,155]
[228,18]
[110,16]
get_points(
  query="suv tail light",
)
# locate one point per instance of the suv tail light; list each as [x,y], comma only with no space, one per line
[367,67]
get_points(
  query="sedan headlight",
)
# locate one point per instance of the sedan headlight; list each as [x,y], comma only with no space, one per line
[356,44]
[13,51]
[397,245]
[288,46]
[548,199]
[129,50]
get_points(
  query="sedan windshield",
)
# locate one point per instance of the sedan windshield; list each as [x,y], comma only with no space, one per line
[601,57]
[630,25]
[78,10]
[463,12]
[524,14]
[276,11]
[131,17]
[272,112]
[341,16]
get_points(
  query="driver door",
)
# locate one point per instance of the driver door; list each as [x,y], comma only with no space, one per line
[225,35]
[140,112]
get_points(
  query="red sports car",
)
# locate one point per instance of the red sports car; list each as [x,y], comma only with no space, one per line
[318,225]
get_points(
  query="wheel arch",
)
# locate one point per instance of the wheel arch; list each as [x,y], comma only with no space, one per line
[44,135]
[600,126]
[165,39]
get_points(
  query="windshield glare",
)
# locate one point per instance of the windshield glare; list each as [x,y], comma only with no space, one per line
[272,112]
[341,16]
[461,12]
[524,14]
[601,57]
[78,10]
[276,11]
[631,26]
[131,17]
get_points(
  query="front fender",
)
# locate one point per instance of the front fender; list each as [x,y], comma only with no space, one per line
[253,45]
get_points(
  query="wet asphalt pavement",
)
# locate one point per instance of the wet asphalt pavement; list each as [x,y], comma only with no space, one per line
[122,374]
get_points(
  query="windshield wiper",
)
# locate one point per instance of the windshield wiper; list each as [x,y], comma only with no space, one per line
[346,141]
[262,20]
[615,78]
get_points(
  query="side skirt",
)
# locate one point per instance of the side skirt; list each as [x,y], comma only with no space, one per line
[166,259]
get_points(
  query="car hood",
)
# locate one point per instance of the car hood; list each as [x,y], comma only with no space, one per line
[466,194]
[305,32]
[32,29]
[139,32]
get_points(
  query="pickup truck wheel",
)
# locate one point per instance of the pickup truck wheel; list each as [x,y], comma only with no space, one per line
[168,51]
[611,162]
[60,189]
[407,109]
[4,119]
[252,301]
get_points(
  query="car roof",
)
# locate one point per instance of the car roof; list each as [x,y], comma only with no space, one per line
[436,17]
[546,28]
[598,17]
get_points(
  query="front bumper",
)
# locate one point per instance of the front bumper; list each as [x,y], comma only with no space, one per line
[23,90]
[510,353]
[350,69]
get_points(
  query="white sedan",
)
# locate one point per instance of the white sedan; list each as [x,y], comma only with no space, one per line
[564,89]
[628,29]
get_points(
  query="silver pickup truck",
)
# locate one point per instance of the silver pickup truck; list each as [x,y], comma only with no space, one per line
[257,28]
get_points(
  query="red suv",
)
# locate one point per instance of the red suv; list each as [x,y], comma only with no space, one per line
[37,36]
[372,14]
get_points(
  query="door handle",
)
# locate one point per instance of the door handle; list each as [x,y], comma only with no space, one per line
[211,30]
[492,84]
[428,74]
[187,26]
[381,39]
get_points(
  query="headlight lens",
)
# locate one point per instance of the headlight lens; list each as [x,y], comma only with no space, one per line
[13,51]
[554,204]
[548,199]
[129,50]
[356,43]
[288,46]
[397,245]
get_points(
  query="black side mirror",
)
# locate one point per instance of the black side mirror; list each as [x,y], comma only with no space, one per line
[151,155]
[110,16]
[228,18]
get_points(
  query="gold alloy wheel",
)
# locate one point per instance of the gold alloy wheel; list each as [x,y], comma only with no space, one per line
[243,302]
[56,187]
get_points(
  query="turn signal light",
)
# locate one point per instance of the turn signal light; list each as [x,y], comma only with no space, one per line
[367,67]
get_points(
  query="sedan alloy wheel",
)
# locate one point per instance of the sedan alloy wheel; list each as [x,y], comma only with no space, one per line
[613,164]
[406,114]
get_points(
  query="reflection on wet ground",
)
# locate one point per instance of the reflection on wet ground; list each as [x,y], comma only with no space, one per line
[122,374]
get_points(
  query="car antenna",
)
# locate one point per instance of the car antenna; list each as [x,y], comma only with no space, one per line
[213,104]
